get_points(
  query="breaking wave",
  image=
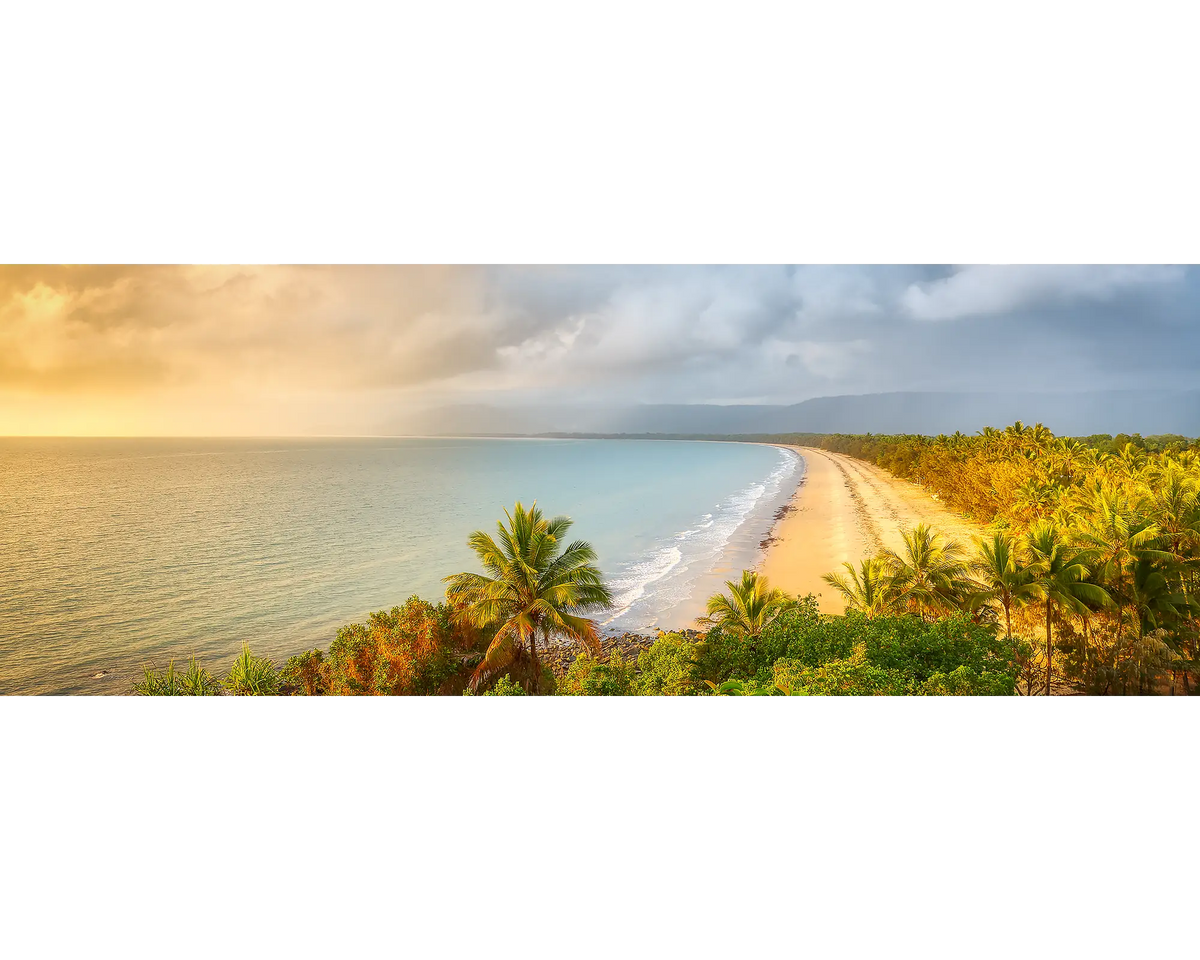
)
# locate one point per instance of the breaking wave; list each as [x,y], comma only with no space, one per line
[650,586]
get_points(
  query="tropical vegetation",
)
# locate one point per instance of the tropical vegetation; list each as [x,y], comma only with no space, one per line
[1086,581]
[535,586]
[1092,562]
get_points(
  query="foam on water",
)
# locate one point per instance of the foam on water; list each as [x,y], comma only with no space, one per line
[646,589]
[631,584]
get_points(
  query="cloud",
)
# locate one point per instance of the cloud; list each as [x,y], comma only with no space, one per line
[348,349]
[696,334]
[991,290]
[338,328]
[827,360]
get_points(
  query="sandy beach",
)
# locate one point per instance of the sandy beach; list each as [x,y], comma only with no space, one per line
[844,510]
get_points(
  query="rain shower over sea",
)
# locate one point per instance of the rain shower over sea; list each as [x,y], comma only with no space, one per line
[119,552]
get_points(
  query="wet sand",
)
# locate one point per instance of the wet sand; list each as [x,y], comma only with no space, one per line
[844,510]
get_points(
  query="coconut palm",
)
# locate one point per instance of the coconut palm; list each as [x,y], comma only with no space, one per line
[1040,436]
[1017,439]
[748,607]
[1131,460]
[1002,575]
[1117,533]
[1035,500]
[1154,651]
[1057,577]
[1158,599]
[533,588]
[867,589]
[1156,595]
[1175,503]
[928,574]
[1071,458]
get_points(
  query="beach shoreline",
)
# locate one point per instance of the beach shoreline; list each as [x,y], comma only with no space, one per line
[842,511]
[742,551]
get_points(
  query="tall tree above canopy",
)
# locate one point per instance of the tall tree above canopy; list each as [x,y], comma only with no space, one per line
[1002,575]
[1116,531]
[533,588]
[1058,578]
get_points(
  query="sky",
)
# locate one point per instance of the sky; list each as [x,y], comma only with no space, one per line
[321,350]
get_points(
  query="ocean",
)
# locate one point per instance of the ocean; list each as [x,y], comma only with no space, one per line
[120,552]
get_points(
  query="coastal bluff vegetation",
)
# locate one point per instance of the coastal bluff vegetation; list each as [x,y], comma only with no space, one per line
[1082,581]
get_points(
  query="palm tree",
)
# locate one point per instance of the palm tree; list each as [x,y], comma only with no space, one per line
[1071,458]
[867,589]
[1156,594]
[1057,577]
[1040,435]
[1118,533]
[1175,502]
[1015,437]
[1035,500]
[533,587]
[928,574]
[1131,459]
[1002,575]
[748,607]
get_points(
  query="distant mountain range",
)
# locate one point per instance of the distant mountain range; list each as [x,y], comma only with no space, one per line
[1068,414]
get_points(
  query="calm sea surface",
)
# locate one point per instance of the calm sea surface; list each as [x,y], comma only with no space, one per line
[114,553]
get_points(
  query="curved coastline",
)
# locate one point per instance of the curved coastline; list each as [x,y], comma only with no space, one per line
[844,510]
[707,575]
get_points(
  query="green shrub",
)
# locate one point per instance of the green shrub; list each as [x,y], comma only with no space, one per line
[721,656]
[854,676]
[407,650]
[667,668]
[505,687]
[155,683]
[922,649]
[591,677]
[306,674]
[965,682]
[252,676]
[197,682]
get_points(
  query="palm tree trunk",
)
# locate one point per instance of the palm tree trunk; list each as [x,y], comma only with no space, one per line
[1087,655]
[1049,647]
[1120,622]
[1185,581]
[1141,652]
[537,672]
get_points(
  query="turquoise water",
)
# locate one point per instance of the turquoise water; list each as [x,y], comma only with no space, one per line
[118,552]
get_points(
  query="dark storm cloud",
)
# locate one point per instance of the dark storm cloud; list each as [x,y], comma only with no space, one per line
[782,334]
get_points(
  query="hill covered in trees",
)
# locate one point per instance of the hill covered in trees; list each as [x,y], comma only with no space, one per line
[907,412]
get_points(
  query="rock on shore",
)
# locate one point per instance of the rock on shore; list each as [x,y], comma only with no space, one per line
[560,656]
